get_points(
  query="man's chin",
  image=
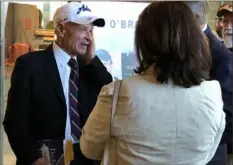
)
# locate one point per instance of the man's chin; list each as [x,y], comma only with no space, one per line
[81,53]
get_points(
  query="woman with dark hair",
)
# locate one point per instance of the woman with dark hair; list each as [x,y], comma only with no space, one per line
[169,113]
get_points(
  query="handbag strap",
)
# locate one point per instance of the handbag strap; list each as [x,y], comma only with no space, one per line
[115,100]
[117,86]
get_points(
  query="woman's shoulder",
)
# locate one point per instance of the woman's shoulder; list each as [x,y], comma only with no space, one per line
[210,83]
[211,88]
[211,95]
[126,84]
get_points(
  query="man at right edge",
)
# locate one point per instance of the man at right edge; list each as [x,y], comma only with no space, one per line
[222,72]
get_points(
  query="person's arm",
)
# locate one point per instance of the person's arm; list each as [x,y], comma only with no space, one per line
[212,106]
[218,137]
[16,121]
[96,130]
[98,72]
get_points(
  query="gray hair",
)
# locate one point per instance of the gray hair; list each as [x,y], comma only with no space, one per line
[199,9]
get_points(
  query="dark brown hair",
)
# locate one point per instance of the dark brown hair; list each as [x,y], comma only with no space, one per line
[168,36]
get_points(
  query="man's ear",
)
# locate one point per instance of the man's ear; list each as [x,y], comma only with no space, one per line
[60,30]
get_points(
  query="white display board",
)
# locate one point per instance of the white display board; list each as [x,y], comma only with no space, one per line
[116,38]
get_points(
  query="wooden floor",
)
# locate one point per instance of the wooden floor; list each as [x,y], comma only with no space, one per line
[8,156]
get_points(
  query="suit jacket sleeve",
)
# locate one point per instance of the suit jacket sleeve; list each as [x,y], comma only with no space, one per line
[16,121]
[98,72]
[224,76]
[212,104]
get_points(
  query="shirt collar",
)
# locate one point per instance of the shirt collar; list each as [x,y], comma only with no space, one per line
[60,55]
[204,27]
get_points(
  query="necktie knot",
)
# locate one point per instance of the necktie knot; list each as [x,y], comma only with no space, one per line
[72,63]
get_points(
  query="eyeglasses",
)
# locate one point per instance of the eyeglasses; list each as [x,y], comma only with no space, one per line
[218,19]
[226,22]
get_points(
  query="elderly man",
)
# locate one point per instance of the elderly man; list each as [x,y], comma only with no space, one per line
[53,91]
[226,23]
[218,26]
[226,15]
[222,72]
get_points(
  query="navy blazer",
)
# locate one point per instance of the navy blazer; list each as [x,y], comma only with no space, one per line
[222,72]
[36,107]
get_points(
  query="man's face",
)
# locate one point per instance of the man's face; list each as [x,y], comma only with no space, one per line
[227,34]
[77,37]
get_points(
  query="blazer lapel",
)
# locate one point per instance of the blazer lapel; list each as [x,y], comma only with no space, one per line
[51,69]
[81,63]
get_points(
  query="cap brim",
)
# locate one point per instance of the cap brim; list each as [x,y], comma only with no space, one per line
[223,11]
[84,20]
[99,22]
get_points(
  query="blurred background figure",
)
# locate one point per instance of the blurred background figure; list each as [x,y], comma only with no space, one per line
[218,21]
[221,71]
[128,63]
[226,16]
[105,58]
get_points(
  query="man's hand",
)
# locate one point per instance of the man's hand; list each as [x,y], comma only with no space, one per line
[90,54]
[41,161]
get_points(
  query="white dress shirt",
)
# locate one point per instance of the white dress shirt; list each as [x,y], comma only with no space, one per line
[62,59]
[204,27]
